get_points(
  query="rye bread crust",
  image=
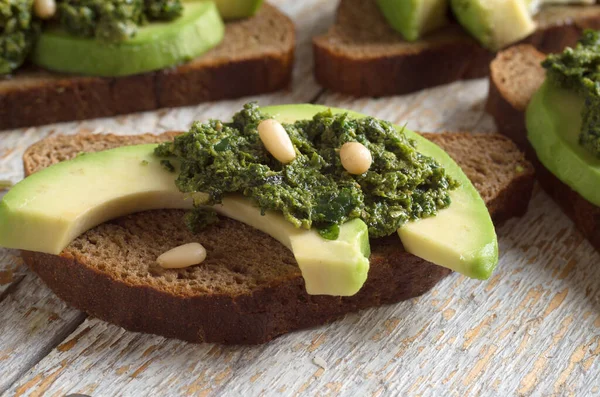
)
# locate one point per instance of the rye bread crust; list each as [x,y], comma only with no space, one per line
[35,97]
[509,116]
[344,62]
[263,312]
[245,319]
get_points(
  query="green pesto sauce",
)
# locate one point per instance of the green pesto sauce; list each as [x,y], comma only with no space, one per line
[578,69]
[18,32]
[114,20]
[314,190]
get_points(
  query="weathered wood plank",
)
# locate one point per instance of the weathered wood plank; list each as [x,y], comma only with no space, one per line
[32,322]
[533,329]
[12,269]
[53,321]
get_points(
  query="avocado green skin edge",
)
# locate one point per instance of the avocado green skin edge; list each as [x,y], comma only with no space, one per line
[474,18]
[397,13]
[241,9]
[553,128]
[481,262]
[156,46]
[400,14]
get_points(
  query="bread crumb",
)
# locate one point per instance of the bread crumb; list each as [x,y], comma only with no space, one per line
[319,361]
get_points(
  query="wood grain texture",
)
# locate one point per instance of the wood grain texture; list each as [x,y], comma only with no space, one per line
[13,143]
[533,329]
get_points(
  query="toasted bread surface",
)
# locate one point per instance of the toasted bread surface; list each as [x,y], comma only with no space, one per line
[362,56]
[515,75]
[256,56]
[249,290]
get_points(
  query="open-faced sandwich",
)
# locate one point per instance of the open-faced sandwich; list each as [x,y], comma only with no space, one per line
[63,60]
[390,47]
[284,218]
[550,106]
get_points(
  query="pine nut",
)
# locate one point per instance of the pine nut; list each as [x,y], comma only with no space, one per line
[356,158]
[44,9]
[276,140]
[183,256]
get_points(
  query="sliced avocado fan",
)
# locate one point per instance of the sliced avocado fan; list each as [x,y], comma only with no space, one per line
[49,209]
[156,46]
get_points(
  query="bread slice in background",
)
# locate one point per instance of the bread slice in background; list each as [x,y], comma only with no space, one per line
[361,55]
[255,57]
[250,289]
[515,75]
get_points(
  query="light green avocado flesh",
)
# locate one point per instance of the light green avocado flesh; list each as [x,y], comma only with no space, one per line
[494,23]
[49,209]
[553,121]
[329,267]
[156,46]
[414,18]
[237,9]
[461,237]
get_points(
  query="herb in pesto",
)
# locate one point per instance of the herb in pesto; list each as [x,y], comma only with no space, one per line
[18,32]
[163,10]
[314,190]
[167,165]
[578,69]
[199,218]
[114,20]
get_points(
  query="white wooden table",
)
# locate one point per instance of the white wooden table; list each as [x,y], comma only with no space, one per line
[533,329]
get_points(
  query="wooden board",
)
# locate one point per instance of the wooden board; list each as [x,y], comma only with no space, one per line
[533,329]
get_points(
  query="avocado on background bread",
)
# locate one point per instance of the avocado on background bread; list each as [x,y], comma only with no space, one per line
[363,55]
[553,119]
[247,278]
[134,56]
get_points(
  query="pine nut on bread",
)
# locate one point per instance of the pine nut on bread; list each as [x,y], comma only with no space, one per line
[249,289]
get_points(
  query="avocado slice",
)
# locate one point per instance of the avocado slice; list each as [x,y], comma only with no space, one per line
[414,18]
[329,267]
[156,46]
[49,209]
[494,23]
[461,237]
[553,120]
[237,9]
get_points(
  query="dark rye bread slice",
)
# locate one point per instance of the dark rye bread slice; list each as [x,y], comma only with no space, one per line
[249,290]
[361,55]
[515,75]
[256,56]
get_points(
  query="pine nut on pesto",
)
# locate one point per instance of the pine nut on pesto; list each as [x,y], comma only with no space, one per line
[314,190]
